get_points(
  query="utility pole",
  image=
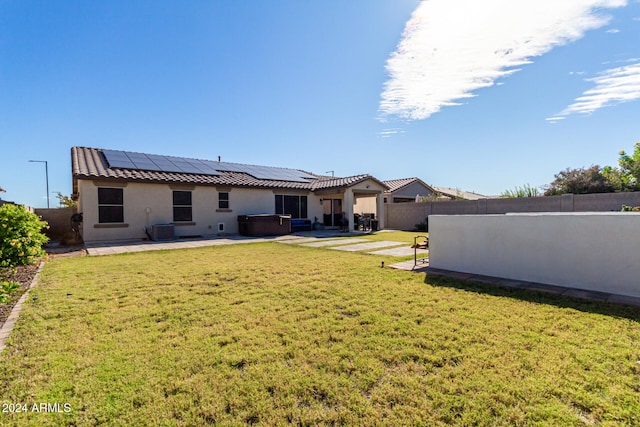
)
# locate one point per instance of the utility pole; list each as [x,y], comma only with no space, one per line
[46,171]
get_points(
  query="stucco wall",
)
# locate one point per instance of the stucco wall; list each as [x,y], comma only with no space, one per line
[594,251]
[157,200]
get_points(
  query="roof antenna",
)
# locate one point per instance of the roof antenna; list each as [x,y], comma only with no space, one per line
[331,172]
[218,159]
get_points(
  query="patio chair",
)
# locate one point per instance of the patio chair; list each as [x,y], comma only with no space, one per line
[420,242]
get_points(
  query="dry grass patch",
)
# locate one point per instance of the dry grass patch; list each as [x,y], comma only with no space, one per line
[273,335]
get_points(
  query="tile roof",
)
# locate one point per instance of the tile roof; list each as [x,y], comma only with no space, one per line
[453,192]
[91,163]
[397,184]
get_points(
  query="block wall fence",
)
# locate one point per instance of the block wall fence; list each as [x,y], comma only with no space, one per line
[404,216]
[59,220]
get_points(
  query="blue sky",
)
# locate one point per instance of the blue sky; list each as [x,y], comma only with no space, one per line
[482,100]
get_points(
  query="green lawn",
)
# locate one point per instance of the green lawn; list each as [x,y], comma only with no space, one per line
[274,334]
[396,236]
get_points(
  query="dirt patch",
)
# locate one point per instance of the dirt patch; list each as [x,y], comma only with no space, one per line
[55,249]
[23,274]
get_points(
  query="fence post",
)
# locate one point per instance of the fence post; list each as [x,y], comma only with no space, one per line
[482,206]
[566,203]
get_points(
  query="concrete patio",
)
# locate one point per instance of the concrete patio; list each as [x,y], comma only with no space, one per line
[125,246]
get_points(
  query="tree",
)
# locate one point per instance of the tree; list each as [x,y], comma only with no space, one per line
[630,167]
[617,178]
[525,191]
[580,181]
[66,201]
[626,177]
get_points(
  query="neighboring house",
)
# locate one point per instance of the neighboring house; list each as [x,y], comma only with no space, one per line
[456,194]
[406,190]
[121,193]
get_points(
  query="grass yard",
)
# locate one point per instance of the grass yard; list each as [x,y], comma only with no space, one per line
[271,334]
[395,235]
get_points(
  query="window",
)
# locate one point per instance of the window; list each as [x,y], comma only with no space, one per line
[182,206]
[223,200]
[110,205]
[296,206]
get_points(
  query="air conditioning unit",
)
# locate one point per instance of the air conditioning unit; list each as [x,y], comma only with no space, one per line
[162,232]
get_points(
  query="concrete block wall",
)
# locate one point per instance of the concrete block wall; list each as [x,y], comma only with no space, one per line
[59,220]
[404,216]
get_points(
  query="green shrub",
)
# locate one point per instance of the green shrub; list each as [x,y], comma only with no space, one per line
[6,289]
[525,191]
[21,236]
[9,287]
[423,226]
[626,208]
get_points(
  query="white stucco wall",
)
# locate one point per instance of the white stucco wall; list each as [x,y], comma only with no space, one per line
[593,251]
[158,199]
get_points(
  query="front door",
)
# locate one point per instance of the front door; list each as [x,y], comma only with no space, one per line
[332,212]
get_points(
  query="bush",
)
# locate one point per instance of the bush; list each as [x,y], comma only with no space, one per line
[21,237]
[423,226]
[626,208]
[580,181]
[6,289]
[524,191]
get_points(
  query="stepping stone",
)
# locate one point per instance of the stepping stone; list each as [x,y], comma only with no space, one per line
[401,251]
[410,266]
[299,240]
[332,242]
[369,245]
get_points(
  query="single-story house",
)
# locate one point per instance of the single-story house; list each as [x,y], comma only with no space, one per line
[121,194]
[406,189]
[410,190]
[457,194]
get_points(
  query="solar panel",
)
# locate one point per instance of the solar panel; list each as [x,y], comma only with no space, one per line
[154,162]
[148,166]
[118,159]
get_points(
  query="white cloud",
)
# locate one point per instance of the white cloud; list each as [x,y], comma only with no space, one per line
[386,133]
[451,48]
[613,31]
[612,86]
